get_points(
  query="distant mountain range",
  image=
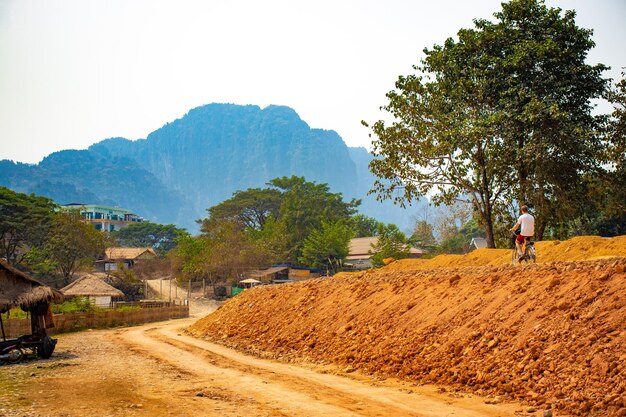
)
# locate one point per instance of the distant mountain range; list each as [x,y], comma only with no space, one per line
[199,160]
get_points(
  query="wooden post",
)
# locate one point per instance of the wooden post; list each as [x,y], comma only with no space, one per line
[204,287]
[189,291]
[4,338]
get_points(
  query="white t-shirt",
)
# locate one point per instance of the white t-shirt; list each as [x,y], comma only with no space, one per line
[528,224]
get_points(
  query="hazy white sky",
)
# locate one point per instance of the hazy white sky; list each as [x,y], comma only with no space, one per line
[74,72]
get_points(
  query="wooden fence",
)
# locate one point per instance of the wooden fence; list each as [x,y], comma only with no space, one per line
[96,320]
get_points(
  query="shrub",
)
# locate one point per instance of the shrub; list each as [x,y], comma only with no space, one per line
[75,305]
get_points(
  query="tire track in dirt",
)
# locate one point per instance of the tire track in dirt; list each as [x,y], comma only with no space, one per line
[278,389]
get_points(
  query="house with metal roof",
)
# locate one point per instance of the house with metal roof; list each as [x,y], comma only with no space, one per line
[478,243]
[361,249]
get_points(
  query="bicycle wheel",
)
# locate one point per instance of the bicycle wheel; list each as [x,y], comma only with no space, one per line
[514,256]
[531,254]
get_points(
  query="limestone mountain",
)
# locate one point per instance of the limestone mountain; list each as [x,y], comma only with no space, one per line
[199,160]
[85,177]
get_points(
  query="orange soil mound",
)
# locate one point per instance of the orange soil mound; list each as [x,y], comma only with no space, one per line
[551,335]
[575,249]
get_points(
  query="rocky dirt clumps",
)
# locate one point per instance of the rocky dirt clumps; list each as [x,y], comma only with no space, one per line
[552,335]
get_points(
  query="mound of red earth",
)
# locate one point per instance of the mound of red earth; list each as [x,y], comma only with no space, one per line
[551,335]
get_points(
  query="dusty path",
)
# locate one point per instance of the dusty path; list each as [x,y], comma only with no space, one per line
[156,369]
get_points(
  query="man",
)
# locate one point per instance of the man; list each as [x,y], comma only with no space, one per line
[527,222]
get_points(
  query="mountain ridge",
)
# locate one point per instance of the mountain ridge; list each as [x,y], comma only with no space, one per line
[199,160]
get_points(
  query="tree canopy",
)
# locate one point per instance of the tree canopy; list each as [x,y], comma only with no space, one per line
[501,114]
[392,243]
[251,207]
[160,237]
[71,240]
[304,206]
[25,221]
[291,221]
[325,248]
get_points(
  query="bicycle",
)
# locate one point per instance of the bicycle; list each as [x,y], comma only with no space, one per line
[528,250]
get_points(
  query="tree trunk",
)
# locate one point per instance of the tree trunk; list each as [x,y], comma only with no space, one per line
[485,213]
[485,207]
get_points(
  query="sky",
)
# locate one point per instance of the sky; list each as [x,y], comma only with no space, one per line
[74,72]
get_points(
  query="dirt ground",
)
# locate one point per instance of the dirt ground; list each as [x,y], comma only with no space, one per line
[452,336]
[156,370]
[551,335]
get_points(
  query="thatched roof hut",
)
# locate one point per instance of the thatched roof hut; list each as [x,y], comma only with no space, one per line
[91,286]
[18,289]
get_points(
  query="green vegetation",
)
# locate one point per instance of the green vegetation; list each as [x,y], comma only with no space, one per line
[364,226]
[74,305]
[391,244]
[71,240]
[24,222]
[502,117]
[127,309]
[48,241]
[161,238]
[54,243]
[326,248]
[15,313]
[292,221]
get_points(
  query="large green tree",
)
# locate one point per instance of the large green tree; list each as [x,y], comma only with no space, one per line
[304,206]
[25,221]
[252,207]
[364,226]
[327,247]
[609,191]
[71,241]
[392,243]
[281,217]
[223,252]
[502,112]
[545,89]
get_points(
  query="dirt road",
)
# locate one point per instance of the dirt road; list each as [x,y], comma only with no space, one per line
[156,369]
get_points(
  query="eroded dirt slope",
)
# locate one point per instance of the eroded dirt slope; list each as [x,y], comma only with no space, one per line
[552,335]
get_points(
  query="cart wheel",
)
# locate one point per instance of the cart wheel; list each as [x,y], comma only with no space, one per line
[47,347]
[16,355]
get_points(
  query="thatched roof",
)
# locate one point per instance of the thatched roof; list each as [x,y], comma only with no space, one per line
[91,285]
[19,289]
[118,254]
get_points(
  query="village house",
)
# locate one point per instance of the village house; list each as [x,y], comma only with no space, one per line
[361,250]
[105,218]
[478,243]
[127,257]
